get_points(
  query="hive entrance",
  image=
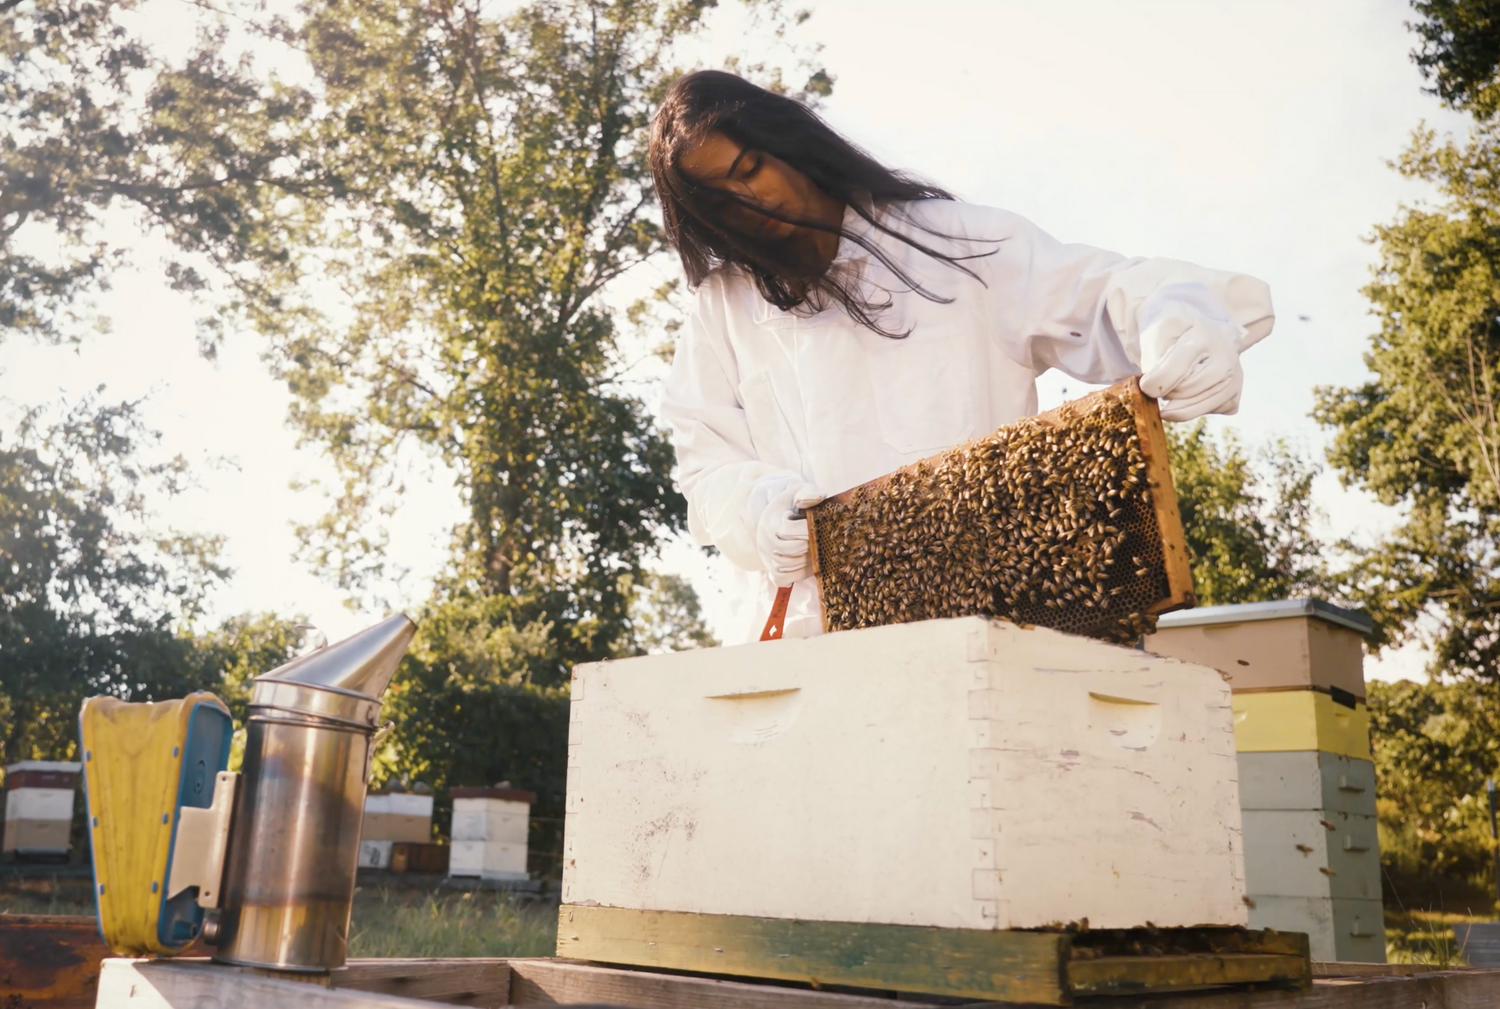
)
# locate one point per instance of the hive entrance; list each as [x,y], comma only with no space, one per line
[1065,520]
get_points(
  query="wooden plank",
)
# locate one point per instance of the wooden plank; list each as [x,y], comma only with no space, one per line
[1117,975]
[163,984]
[139,984]
[1464,989]
[1178,564]
[50,961]
[962,963]
[1345,968]
[563,982]
[468,982]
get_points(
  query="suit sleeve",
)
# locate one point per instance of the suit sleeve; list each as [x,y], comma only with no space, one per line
[1081,309]
[727,486]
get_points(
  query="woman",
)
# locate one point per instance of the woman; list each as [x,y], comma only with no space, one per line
[851,319]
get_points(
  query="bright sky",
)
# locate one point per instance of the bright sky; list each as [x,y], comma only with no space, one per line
[1245,135]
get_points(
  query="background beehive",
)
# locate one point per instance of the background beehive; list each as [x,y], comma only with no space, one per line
[1065,520]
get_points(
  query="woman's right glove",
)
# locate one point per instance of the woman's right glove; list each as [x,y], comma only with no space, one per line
[781,534]
[1190,353]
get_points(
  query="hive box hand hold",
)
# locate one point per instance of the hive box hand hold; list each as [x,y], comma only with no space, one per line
[1065,520]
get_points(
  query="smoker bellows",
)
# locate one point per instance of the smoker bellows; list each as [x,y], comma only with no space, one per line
[1065,520]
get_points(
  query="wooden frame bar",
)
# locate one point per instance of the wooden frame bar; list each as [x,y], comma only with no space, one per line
[1153,437]
[1046,968]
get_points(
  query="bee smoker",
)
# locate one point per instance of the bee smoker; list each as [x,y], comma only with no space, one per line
[273,848]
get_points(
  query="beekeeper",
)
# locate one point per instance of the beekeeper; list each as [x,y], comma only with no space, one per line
[852,319]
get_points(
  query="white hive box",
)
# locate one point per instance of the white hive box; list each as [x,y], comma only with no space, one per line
[965,774]
[39,806]
[397,816]
[375,854]
[489,832]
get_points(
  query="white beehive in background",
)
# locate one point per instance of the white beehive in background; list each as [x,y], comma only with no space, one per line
[963,773]
[397,816]
[39,806]
[489,832]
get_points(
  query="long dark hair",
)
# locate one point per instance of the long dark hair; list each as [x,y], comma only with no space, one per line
[756,119]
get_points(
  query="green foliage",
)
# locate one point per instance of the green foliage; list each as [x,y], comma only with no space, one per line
[91,601]
[86,598]
[469,710]
[1424,433]
[64,82]
[1435,744]
[665,616]
[1249,529]
[240,649]
[1460,51]
[469,715]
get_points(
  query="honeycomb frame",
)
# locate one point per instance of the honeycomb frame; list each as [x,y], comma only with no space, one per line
[987,528]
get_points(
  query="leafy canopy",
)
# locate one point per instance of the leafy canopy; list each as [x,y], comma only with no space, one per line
[1460,51]
[426,243]
[92,601]
[1249,522]
[1424,432]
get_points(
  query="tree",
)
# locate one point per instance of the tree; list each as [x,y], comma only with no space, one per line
[423,228]
[472,185]
[1435,744]
[91,600]
[1424,432]
[1460,51]
[1249,529]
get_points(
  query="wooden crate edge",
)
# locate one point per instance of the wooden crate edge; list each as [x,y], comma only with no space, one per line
[1153,435]
[788,950]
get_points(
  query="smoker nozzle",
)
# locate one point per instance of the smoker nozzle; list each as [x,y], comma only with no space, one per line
[363,663]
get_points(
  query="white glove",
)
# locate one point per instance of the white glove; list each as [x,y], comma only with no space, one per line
[781,539]
[1191,359]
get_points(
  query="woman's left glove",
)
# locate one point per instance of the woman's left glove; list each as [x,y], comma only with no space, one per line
[781,534]
[1191,359]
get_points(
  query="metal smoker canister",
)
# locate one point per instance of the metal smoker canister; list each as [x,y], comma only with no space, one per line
[294,845]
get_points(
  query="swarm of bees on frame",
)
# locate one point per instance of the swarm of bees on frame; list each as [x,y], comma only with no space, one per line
[1048,522]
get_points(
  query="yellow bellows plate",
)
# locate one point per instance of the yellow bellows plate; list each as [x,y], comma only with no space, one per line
[142,763]
[1275,720]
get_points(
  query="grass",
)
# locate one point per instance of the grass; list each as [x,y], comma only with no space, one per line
[411,922]
[47,895]
[388,921]
[1424,936]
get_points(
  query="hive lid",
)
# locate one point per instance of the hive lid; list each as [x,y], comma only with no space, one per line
[63,766]
[1276,609]
[363,663]
[508,794]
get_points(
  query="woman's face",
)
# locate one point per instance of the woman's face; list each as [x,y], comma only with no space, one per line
[763,180]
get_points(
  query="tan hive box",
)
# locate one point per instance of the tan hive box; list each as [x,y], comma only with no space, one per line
[1285,644]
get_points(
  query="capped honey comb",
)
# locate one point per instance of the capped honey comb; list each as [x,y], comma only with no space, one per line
[1065,520]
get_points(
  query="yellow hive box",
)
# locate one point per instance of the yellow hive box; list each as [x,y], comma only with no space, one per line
[1277,720]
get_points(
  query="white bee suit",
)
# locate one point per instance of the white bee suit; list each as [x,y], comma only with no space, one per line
[759,399]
